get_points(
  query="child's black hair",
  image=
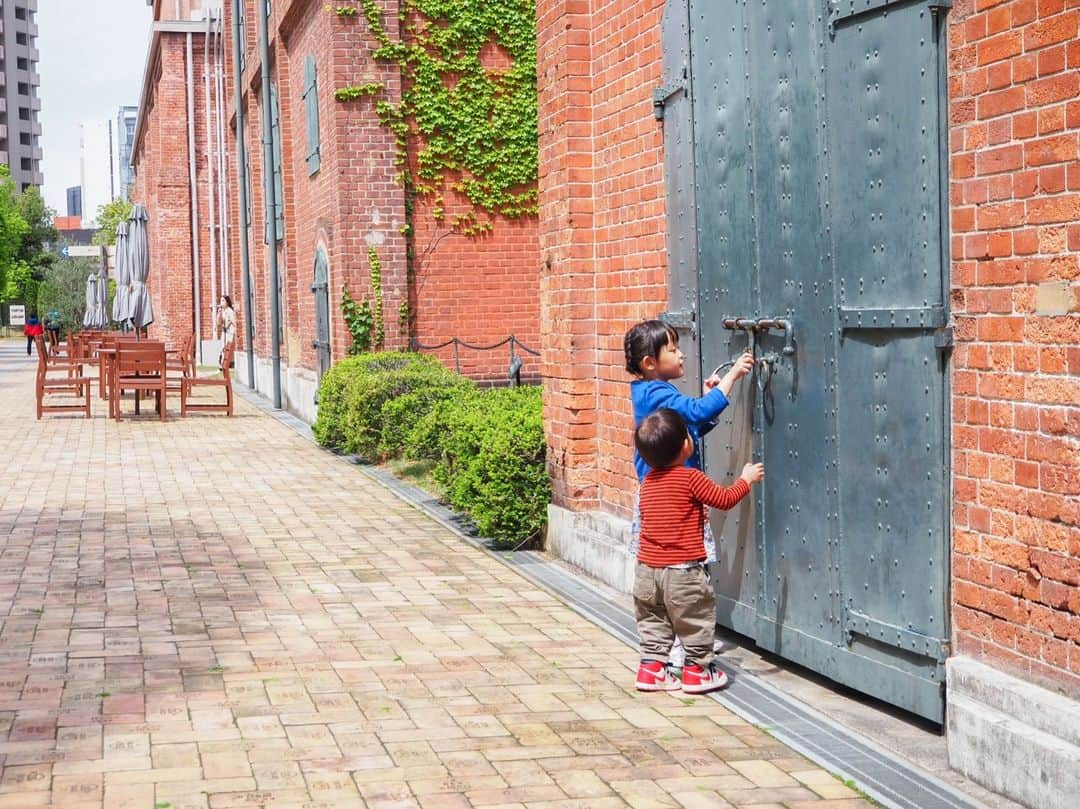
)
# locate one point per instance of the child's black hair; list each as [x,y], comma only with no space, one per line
[660,437]
[647,339]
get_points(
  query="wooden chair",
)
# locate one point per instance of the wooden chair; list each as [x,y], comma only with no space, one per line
[182,364]
[188,383]
[71,383]
[139,366]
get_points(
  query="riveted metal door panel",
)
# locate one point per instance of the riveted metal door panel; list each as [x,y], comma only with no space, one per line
[883,82]
[797,611]
[792,157]
[726,226]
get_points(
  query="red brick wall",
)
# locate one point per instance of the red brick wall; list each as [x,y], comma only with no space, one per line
[479,289]
[1015,114]
[602,233]
[161,183]
[1013,87]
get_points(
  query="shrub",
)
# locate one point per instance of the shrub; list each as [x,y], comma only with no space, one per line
[399,416]
[355,390]
[488,445]
[490,452]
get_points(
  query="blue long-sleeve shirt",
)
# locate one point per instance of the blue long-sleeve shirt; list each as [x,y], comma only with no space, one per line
[649,395]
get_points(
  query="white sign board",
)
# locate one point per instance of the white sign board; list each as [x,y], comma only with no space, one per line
[84,251]
[17,314]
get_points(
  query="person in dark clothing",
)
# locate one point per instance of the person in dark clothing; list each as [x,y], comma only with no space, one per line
[32,329]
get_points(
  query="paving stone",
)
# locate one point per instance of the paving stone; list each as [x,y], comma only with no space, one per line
[215,614]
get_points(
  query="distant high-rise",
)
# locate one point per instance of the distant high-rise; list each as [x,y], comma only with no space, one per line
[125,139]
[20,130]
[74,201]
[96,168]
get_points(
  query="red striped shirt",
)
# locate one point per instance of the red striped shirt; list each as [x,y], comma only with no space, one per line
[672,505]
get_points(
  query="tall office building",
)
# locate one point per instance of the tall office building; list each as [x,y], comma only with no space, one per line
[125,139]
[97,161]
[74,201]
[20,130]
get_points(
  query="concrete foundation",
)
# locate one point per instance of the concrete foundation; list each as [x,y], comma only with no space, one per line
[1013,737]
[298,385]
[594,542]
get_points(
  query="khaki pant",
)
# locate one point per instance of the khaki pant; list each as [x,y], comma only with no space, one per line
[672,601]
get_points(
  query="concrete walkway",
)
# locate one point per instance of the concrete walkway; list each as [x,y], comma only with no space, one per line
[213,613]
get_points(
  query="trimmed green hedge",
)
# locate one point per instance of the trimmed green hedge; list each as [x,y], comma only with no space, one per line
[353,393]
[487,445]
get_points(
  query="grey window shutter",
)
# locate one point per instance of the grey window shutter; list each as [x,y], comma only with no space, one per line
[275,134]
[311,108]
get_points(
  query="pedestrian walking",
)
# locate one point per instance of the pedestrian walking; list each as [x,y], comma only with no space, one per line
[32,329]
[673,593]
[652,354]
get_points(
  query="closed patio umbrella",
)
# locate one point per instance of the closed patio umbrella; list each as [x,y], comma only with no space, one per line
[97,292]
[90,316]
[141,312]
[103,297]
[122,300]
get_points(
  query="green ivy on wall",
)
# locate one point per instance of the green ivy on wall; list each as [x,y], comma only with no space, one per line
[476,126]
[378,326]
[364,319]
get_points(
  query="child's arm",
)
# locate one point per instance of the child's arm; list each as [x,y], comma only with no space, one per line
[724,497]
[693,410]
[743,365]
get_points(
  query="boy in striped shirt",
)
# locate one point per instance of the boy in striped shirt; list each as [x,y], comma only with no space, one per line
[672,591]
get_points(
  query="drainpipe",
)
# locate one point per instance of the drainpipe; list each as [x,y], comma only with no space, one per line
[269,203]
[211,213]
[192,177]
[224,230]
[241,174]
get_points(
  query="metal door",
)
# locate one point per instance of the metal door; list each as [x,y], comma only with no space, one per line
[813,185]
[320,287]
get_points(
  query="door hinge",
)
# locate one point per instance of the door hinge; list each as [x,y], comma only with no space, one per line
[867,7]
[943,338]
[662,95]
[680,320]
[861,624]
[897,317]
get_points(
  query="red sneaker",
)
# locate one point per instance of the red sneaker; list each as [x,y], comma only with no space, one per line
[653,675]
[698,680]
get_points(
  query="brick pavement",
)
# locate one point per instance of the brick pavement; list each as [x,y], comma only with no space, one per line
[215,614]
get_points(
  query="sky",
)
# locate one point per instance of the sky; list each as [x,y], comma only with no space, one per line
[92,57]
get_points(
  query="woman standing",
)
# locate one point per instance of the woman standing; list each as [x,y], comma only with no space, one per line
[227,322]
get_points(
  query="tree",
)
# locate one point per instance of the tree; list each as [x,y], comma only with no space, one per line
[109,216]
[13,228]
[64,289]
[41,233]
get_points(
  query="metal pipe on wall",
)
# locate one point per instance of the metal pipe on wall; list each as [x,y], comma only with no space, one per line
[211,213]
[241,182]
[223,180]
[269,202]
[194,190]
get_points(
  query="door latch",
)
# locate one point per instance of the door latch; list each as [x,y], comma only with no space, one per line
[762,324]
